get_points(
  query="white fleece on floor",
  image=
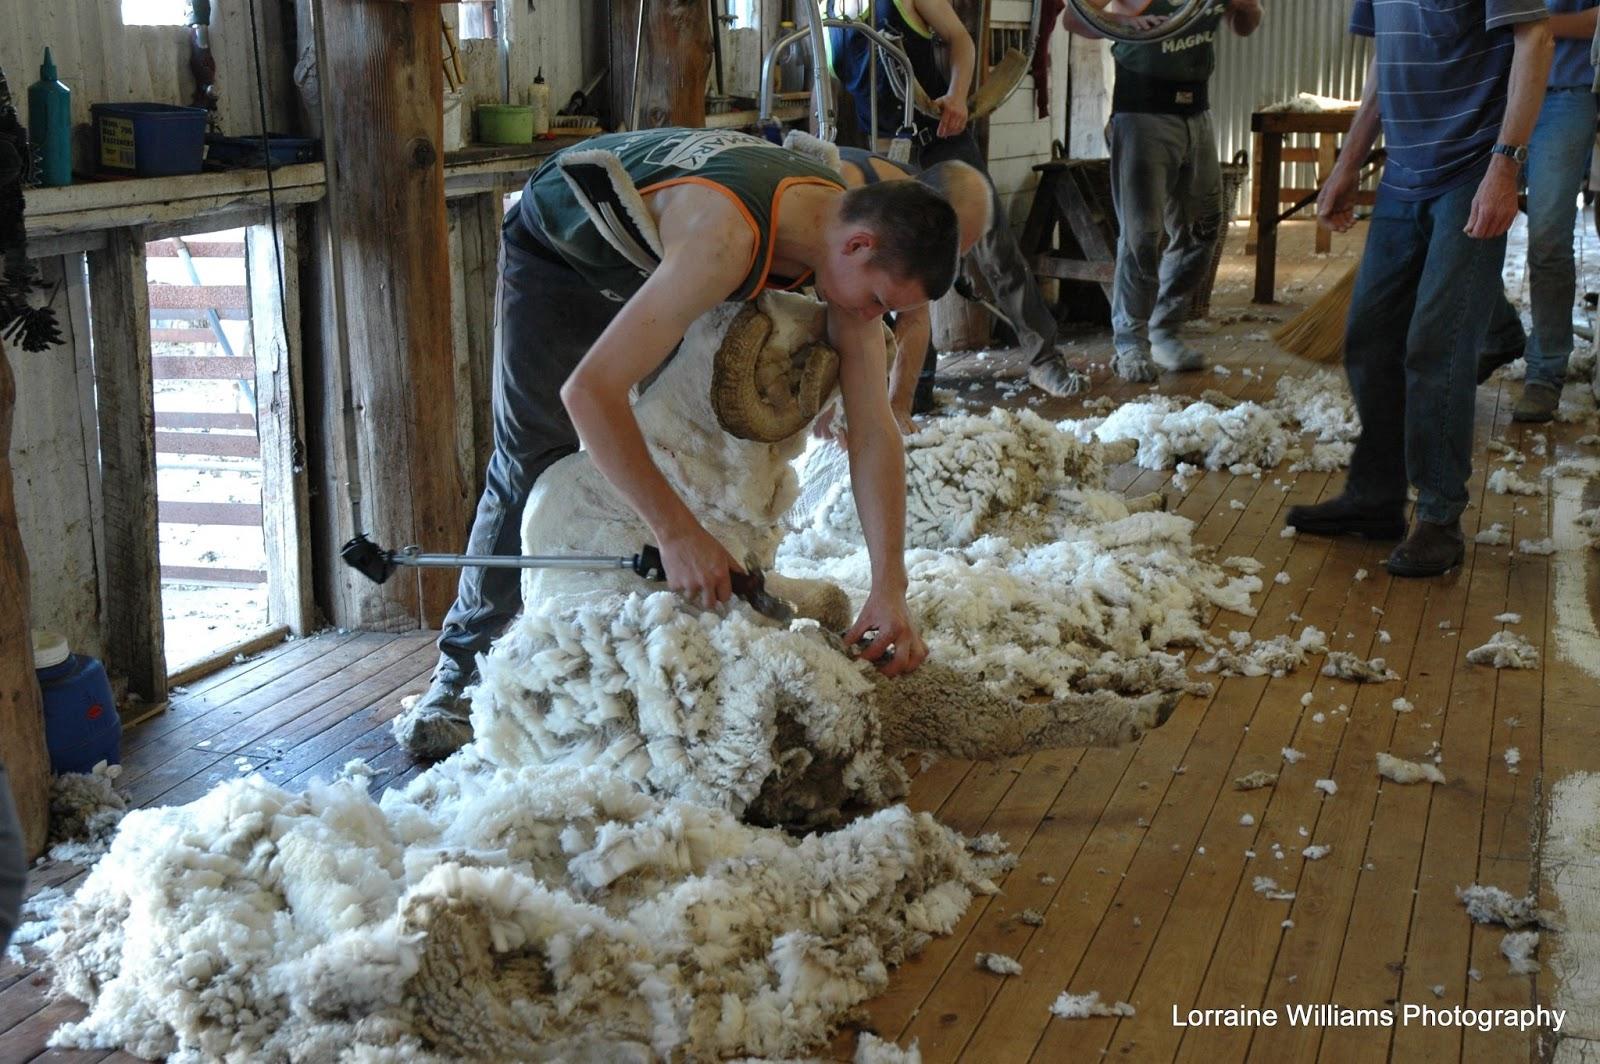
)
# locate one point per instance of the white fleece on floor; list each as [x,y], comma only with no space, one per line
[1084,1006]
[1402,771]
[535,913]
[1217,432]
[586,881]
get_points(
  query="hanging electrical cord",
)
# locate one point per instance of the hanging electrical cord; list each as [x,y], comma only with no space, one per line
[297,447]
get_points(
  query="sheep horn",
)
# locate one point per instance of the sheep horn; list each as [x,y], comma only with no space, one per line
[764,395]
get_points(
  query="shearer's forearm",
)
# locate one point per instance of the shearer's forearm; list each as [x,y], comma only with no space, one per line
[878,479]
[1530,69]
[963,61]
[911,333]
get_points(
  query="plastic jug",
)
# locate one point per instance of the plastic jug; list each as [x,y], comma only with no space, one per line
[81,725]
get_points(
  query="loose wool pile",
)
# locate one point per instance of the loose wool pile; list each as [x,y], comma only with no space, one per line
[491,914]
[589,879]
[1221,433]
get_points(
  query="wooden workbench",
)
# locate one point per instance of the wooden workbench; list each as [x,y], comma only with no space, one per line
[1270,128]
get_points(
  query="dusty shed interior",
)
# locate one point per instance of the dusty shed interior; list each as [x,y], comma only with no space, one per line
[1137,857]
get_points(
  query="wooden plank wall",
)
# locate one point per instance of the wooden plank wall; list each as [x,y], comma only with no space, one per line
[55,460]
[1090,100]
[102,60]
[120,305]
[1018,138]
[564,38]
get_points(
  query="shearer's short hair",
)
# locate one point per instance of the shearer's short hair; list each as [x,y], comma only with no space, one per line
[916,230]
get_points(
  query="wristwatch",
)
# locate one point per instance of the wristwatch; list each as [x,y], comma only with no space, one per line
[1517,153]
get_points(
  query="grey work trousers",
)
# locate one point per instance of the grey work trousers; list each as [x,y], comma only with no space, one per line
[1165,180]
[13,863]
[546,319]
[998,259]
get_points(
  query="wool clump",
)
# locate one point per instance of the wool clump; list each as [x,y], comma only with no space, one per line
[1505,650]
[1402,771]
[1084,1006]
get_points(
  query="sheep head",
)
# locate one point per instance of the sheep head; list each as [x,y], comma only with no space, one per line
[765,394]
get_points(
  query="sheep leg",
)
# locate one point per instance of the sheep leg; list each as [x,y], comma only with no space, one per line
[1155,502]
[940,710]
[825,603]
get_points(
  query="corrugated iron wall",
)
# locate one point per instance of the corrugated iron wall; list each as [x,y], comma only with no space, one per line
[1302,46]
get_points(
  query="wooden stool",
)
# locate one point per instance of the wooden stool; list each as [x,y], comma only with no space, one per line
[1074,199]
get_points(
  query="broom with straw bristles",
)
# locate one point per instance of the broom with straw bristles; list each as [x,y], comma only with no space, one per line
[1317,333]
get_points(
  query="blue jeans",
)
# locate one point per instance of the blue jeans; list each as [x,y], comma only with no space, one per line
[1558,158]
[1418,314]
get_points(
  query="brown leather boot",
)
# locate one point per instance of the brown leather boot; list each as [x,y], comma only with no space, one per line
[1430,550]
[1537,403]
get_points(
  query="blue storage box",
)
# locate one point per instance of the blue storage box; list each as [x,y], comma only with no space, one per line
[149,139]
[281,150]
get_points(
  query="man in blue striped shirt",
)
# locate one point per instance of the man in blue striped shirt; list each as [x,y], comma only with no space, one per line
[1456,85]
[1558,161]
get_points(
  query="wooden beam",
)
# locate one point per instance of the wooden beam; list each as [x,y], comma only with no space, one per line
[26,760]
[474,257]
[151,200]
[386,82]
[120,315]
[675,59]
[275,328]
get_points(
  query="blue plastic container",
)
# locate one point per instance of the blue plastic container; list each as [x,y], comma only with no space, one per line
[246,151]
[81,724]
[149,139]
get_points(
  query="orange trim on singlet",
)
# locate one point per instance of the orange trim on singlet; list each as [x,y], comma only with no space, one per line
[772,244]
[755,230]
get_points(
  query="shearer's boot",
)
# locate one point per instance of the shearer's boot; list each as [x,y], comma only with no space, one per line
[439,724]
[1537,403]
[1430,550]
[1343,516]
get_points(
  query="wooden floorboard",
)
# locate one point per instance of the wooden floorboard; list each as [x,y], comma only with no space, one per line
[1136,856]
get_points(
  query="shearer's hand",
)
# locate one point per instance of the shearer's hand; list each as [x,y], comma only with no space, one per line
[1336,200]
[889,621]
[1494,207]
[952,115]
[698,567]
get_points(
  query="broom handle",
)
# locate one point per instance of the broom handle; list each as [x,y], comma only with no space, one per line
[1376,155]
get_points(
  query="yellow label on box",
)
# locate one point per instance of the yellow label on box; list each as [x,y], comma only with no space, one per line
[116,142]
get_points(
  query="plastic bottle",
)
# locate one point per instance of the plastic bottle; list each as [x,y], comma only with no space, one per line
[50,124]
[539,100]
[81,725]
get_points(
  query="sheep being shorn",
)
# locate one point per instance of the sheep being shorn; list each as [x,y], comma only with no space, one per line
[587,880]
[777,722]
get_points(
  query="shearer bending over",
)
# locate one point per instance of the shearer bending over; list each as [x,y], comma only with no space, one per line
[616,247]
